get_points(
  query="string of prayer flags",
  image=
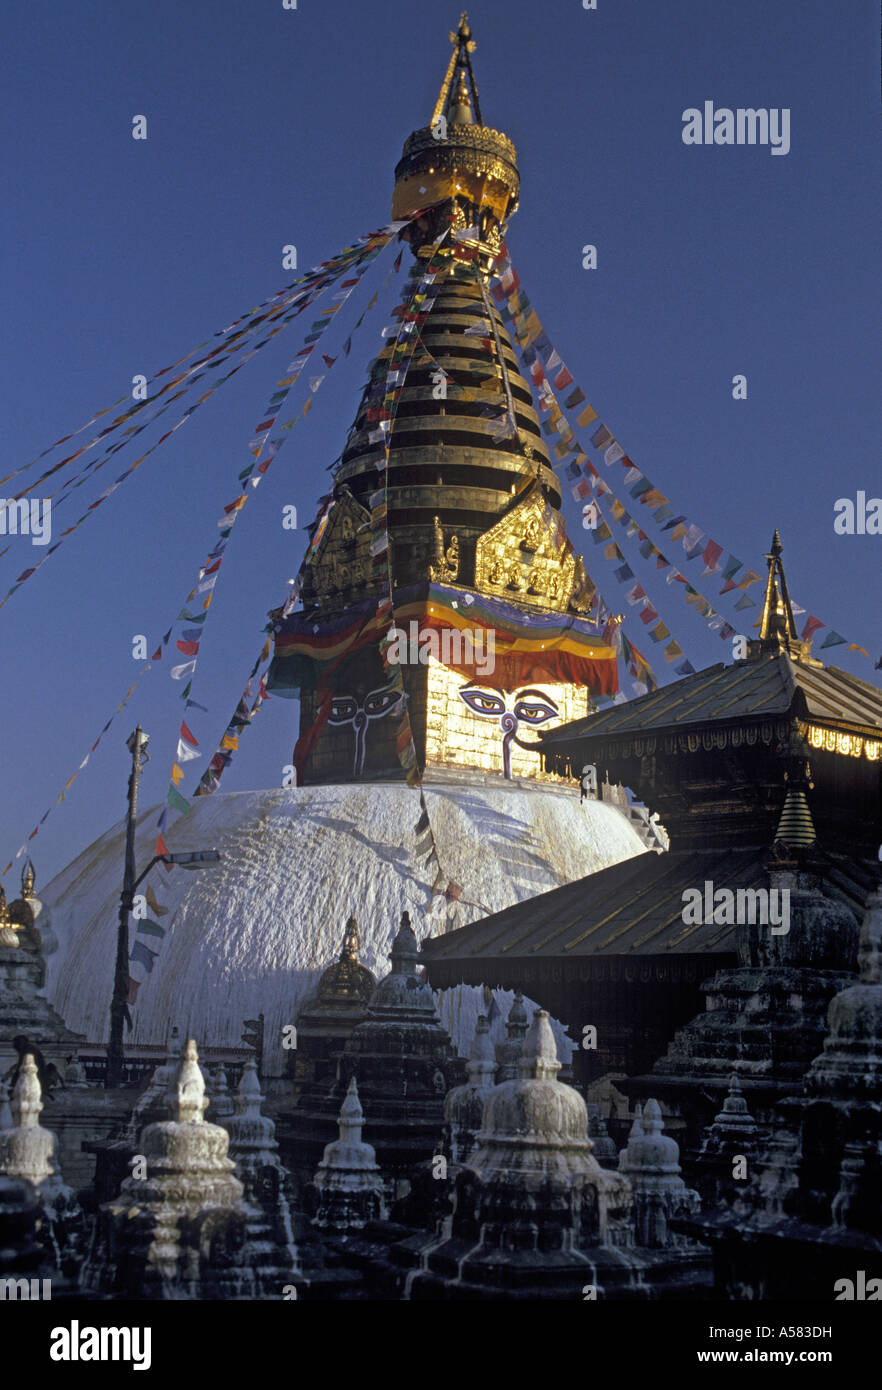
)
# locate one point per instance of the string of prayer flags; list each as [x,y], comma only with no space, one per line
[265,450]
[364,249]
[544,362]
[157,655]
[358,258]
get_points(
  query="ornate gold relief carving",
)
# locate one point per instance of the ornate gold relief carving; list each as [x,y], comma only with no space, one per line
[342,561]
[446,566]
[527,553]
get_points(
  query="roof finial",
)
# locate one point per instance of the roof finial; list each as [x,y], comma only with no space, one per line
[351,940]
[458,109]
[777,622]
[28,879]
[190,1088]
[796,828]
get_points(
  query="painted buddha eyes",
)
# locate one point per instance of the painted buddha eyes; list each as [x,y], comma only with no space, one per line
[380,702]
[343,709]
[530,706]
[376,703]
[485,702]
[533,707]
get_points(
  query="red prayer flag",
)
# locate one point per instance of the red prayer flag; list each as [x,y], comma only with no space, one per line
[188,648]
[185,733]
[711,554]
[811,626]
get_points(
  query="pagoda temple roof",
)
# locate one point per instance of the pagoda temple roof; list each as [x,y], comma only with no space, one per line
[630,909]
[770,685]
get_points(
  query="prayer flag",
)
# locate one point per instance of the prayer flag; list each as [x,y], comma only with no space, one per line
[174,798]
[140,953]
[151,928]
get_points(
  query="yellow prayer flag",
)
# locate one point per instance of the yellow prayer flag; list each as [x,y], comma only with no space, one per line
[588,414]
[177,774]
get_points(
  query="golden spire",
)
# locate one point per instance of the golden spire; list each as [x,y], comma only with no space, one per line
[4,910]
[461,107]
[463,45]
[351,941]
[28,880]
[347,981]
[456,158]
[777,622]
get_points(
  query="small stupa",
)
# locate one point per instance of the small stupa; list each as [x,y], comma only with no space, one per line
[29,1151]
[222,1105]
[508,1052]
[25,1013]
[404,1064]
[651,1162]
[464,1105]
[533,1213]
[255,1151]
[349,1189]
[605,1150]
[180,1231]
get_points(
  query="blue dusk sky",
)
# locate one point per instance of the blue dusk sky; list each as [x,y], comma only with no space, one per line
[269,127]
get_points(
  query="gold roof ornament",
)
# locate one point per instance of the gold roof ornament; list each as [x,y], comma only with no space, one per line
[28,879]
[8,933]
[463,46]
[347,981]
[777,624]
[461,106]
[351,940]
[456,158]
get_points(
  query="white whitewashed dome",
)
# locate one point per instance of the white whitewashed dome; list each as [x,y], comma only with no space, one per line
[252,934]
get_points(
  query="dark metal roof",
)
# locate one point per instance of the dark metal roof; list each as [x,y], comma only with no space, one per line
[631,909]
[763,686]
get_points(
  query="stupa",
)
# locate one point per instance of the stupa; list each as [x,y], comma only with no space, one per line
[533,1215]
[29,1151]
[253,1148]
[404,1064]
[477,549]
[328,1018]
[508,1051]
[25,1012]
[181,1230]
[464,1105]
[651,1163]
[348,1185]
[806,1222]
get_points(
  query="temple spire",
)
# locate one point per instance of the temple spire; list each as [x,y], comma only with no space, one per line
[455,102]
[777,622]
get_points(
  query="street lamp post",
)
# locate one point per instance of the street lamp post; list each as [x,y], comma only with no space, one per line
[186,859]
[137,746]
